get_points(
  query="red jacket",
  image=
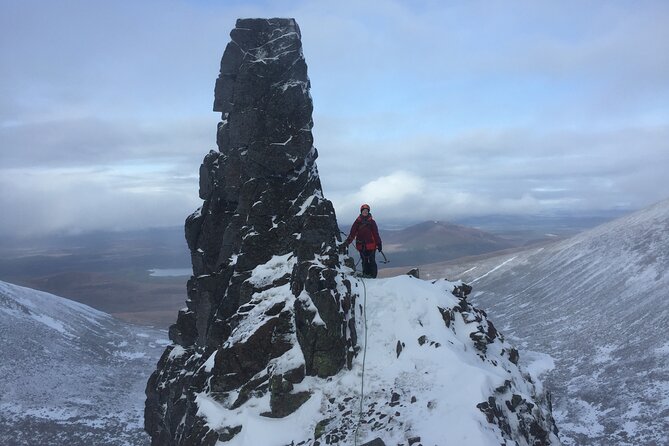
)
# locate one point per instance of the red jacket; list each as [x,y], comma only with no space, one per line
[366,234]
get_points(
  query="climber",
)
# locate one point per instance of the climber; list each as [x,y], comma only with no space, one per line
[367,240]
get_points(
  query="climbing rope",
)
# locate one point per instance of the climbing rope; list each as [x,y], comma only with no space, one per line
[364,353]
[364,357]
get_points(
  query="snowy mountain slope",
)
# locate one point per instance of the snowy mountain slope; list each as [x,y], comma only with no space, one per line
[598,304]
[70,374]
[435,370]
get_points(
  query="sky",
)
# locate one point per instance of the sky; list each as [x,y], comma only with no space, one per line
[424,109]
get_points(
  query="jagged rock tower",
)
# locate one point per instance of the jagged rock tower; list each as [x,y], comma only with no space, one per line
[266,303]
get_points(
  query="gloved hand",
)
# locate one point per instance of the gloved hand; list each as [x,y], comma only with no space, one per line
[343,248]
[378,246]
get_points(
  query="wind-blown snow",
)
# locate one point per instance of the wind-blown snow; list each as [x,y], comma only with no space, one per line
[597,304]
[51,323]
[492,270]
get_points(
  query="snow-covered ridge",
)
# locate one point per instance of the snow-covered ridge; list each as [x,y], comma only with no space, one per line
[53,311]
[435,369]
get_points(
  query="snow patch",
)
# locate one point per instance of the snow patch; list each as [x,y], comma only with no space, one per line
[51,323]
[209,364]
[260,303]
[177,352]
[130,355]
[275,268]
[603,354]
[494,269]
[663,350]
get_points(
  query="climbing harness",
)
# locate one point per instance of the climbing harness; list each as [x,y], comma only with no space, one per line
[364,357]
[385,259]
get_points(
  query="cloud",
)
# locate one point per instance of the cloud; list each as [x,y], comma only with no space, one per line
[94,141]
[38,201]
[521,171]
[419,107]
[403,196]
[395,190]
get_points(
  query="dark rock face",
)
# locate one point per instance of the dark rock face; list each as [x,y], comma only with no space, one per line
[266,304]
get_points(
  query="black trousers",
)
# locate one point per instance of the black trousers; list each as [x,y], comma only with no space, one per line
[369,267]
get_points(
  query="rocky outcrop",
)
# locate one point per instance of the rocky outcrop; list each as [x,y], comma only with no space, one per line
[522,417]
[270,314]
[437,372]
[267,304]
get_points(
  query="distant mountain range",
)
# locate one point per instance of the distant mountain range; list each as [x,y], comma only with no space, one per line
[110,270]
[106,270]
[598,304]
[433,241]
[69,374]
